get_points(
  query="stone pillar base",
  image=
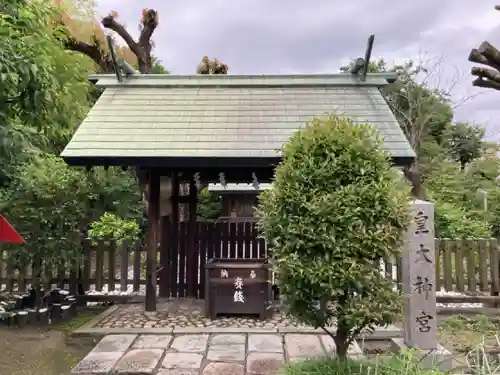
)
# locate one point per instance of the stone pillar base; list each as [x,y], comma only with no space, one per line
[440,358]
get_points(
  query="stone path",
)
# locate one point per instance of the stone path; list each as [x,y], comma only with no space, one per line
[204,354]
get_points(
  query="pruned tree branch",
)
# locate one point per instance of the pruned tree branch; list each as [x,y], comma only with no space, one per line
[110,22]
[141,48]
[487,55]
[91,50]
[480,82]
[487,73]
[214,66]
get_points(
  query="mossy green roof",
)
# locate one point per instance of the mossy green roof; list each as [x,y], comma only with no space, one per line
[168,117]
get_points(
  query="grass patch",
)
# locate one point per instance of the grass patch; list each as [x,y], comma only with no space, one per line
[464,334]
[395,365]
[82,318]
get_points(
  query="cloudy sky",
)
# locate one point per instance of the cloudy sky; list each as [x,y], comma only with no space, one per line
[320,36]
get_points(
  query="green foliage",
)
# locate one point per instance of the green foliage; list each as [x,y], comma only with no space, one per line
[43,87]
[110,226]
[465,142]
[45,95]
[459,211]
[116,191]
[336,207]
[209,205]
[158,67]
[400,364]
[47,206]
[453,221]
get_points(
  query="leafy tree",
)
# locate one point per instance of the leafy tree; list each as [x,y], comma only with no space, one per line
[336,208]
[465,142]
[47,205]
[209,205]
[424,112]
[44,90]
[459,213]
[42,87]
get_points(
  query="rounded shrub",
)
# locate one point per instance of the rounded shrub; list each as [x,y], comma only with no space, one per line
[337,208]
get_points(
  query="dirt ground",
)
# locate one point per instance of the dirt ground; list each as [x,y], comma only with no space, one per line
[43,351]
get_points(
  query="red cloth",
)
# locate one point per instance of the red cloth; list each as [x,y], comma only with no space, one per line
[7,233]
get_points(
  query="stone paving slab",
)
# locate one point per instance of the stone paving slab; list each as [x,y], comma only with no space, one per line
[221,368]
[153,342]
[191,361]
[226,353]
[265,343]
[264,363]
[97,363]
[202,354]
[303,346]
[139,361]
[114,343]
[190,343]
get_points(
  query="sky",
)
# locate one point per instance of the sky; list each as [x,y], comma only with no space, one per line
[320,36]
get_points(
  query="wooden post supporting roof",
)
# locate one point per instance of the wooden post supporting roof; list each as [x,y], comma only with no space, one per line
[152,242]
[174,235]
[192,255]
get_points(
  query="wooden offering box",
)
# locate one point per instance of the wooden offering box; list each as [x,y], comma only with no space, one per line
[237,286]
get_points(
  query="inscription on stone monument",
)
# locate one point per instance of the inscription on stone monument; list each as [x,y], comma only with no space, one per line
[418,268]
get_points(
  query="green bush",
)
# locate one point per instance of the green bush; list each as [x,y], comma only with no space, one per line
[45,204]
[336,208]
[110,226]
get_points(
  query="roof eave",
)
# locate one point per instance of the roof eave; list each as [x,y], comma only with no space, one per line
[193,162]
[241,81]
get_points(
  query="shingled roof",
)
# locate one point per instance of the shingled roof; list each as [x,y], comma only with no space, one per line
[153,120]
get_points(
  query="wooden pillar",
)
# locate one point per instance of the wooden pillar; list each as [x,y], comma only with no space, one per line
[152,235]
[174,237]
[165,257]
[192,251]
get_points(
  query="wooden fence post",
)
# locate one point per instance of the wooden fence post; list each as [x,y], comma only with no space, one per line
[494,268]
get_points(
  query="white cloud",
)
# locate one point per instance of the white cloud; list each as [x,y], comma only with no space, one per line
[263,36]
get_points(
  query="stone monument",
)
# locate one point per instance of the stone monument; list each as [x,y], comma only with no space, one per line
[419,279]
[419,287]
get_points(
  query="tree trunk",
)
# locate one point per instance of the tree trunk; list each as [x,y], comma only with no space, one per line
[341,340]
[413,175]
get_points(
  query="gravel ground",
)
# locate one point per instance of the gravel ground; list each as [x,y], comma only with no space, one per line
[184,314]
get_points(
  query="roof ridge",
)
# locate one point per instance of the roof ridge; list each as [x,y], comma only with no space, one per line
[283,80]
